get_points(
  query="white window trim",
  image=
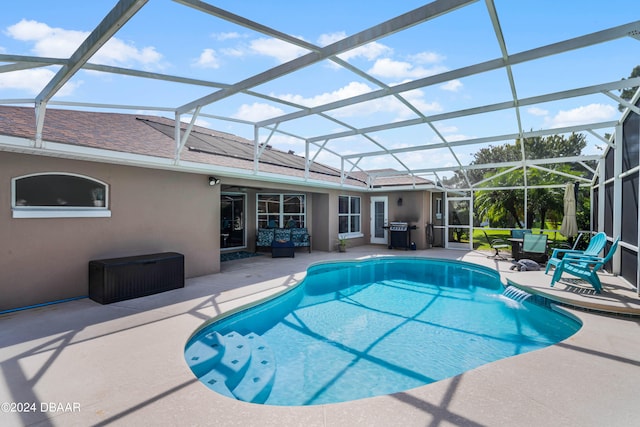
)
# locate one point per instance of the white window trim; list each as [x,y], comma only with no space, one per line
[351,234]
[281,215]
[59,211]
[354,235]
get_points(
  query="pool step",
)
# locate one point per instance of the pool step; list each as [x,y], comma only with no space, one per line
[216,382]
[204,353]
[256,384]
[235,360]
[235,365]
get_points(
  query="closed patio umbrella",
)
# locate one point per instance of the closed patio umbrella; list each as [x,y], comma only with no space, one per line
[569,226]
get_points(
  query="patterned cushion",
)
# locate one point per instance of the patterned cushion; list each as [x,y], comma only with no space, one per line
[300,236]
[282,234]
[265,236]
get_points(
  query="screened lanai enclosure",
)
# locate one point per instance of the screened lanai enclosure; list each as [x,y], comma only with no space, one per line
[476,101]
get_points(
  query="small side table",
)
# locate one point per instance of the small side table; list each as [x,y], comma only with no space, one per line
[283,249]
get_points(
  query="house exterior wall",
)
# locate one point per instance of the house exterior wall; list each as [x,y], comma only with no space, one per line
[251,189]
[44,260]
[415,209]
[320,227]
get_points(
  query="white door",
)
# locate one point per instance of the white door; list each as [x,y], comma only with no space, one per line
[379,220]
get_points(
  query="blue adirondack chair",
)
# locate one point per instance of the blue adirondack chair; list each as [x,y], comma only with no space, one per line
[584,266]
[596,245]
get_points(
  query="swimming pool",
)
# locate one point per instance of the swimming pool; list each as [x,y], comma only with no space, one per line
[358,329]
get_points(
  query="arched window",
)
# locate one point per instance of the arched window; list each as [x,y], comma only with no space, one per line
[56,194]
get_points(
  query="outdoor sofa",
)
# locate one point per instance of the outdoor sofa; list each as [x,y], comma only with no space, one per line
[298,235]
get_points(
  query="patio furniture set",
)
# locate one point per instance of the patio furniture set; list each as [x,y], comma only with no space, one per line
[584,264]
[283,241]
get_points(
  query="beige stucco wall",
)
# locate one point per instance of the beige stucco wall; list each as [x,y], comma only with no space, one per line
[251,189]
[44,260]
[320,227]
[415,210]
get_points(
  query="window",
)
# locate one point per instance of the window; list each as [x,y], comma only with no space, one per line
[51,195]
[281,211]
[349,215]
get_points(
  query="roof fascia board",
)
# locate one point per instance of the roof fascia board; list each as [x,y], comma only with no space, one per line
[56,149]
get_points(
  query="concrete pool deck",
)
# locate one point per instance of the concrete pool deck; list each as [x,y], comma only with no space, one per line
[80,363]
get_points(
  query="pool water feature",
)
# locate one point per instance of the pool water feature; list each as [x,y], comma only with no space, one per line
[358,329]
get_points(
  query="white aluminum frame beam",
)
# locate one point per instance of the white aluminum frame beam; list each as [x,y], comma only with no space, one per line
[555,96]
[401,22]
[529,55]
[111,23]
[484,140]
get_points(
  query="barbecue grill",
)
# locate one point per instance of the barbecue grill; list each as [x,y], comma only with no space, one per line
[399,235]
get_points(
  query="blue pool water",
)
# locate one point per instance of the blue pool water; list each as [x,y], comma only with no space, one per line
[357,329]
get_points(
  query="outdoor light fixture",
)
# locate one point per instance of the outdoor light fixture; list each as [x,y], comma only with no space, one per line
[400,201]
[213,181]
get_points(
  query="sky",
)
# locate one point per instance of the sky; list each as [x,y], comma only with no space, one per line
[169,38]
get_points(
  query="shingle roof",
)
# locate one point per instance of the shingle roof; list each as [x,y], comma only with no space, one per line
[154,136]
[391,177]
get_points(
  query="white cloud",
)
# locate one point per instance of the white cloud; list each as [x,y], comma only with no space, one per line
[536,111]
[381,105]
[348,91]
[58,42]
[416,98]
[278,49]
[584,114]
[452,86]
[207,59]
[227,36]
[330,38]
[231,51]
[447,129]
[257,111]
[390,68]
[33,81]
[427,58]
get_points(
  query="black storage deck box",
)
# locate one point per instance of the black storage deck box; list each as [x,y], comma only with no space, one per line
[118,279]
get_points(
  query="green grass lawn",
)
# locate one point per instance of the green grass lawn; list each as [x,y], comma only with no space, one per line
[480,241]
